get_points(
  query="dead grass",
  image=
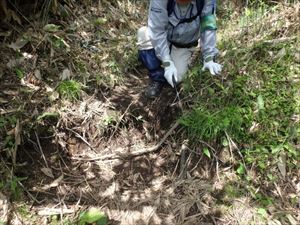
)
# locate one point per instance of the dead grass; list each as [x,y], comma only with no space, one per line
[275,25]
[113,114]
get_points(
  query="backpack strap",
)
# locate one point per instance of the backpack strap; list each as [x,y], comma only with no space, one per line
[171,6]
[199,4]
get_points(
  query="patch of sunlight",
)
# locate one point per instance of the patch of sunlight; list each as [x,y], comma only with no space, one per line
[147,215]
[111,190]
[158,183]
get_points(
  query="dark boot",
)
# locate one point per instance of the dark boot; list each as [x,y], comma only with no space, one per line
[154,88]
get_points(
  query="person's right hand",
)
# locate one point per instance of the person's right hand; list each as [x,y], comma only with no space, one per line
[170,72]
[213,67]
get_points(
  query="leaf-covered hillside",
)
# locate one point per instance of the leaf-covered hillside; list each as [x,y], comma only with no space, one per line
[81,144]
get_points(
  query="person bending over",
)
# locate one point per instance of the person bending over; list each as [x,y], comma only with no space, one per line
[165,46]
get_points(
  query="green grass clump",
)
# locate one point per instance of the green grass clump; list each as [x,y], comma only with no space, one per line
[254,105]
[212,124]
[69,89]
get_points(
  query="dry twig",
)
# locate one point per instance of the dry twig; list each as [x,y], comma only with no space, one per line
[82,138]
[40,148]
[119,121]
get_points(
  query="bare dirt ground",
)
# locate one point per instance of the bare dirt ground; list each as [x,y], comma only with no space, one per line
[148,189]
[69,156]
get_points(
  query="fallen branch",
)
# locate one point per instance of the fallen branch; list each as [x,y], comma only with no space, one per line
[3,112]
[120,155]
[51,212]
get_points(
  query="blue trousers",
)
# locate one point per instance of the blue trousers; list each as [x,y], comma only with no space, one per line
[149,59]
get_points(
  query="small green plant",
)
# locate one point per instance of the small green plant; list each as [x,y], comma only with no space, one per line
[130,58]
[100,21]
[262,212]
[7,121]
[11,186]
[23,211]
[211,124]
[233,191]
[114,66]
[92,216]
[108,81]
[59,42]
[109,120]
[19,73]
[51,28]
[9,142]
[69,89]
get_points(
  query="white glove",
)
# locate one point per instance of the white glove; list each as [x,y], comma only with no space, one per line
[214,68]
[170,72]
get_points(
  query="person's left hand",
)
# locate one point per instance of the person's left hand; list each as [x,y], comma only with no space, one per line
[170,72]
[213,67]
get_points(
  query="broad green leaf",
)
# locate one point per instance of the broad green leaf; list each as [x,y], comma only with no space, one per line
[51,28]
[260,102]
[206,152]
[262,212]
[241,170]
[93,215]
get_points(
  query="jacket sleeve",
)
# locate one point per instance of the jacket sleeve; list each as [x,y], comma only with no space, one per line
[208,29]
[157,23]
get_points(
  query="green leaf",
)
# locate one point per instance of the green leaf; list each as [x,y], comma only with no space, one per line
[225,142]
[262,212]
[211,91]
[51,28]
[47,114]
[241,170]
[276,149]
[93,215]
[100,21]
[260,102]
[19,73]
[207,152]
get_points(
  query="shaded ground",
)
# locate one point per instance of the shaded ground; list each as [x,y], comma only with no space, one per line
[142,190]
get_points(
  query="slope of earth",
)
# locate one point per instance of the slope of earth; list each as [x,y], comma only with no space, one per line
[72,113]
[78,132]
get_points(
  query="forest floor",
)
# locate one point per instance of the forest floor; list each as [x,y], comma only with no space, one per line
[78,133]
